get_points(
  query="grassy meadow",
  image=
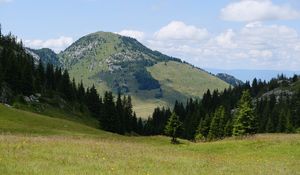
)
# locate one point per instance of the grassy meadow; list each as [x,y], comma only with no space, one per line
[36,144]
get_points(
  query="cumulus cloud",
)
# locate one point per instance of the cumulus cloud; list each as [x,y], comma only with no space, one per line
[132,33]
[226,39]
[258,10]
[57,44]
[254,46]
[177,30]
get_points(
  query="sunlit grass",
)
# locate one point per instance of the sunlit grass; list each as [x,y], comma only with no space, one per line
[36,144]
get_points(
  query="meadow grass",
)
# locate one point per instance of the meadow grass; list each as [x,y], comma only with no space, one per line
[37,144]
[178,82]
[185,79]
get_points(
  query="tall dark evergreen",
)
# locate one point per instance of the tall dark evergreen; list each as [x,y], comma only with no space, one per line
[120,115]
[217,124]
[245,121]
[173,127]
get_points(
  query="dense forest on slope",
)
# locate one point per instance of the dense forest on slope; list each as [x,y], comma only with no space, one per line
[271,107]
[22,81]
[261,107]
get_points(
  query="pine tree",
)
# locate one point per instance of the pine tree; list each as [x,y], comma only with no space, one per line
[281,122]
[93,102]
[120,114]
[109,119]
[270,126]
[128,113]
[245,121]
[81,92]
[217,125]
[40,77]
[140,127]
[134,123]
[228,129]
[50,77]
[199,132]
[288,125]
[173,127]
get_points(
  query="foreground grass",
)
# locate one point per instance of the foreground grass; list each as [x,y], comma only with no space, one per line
[42,145]
[264,154]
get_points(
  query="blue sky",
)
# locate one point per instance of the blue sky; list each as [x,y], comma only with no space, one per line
[222,34]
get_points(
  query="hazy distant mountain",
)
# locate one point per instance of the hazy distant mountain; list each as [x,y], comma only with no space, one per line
[118,63]
[45,54]
[249,75]
[230,79]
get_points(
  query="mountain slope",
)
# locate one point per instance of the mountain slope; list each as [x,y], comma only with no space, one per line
[46,55]
[19,121]
[229,79]
[117,63]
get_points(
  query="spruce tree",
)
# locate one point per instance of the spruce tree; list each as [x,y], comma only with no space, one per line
[270,126]
[217,125]
[288,125]
[173,127]
[245,120]
[120,114]
[228,129]
[108,116]
[199,136]
[140,127]
[281,122]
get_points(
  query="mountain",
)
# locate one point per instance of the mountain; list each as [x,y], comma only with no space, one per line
[122,64]
[46,55]
[249,75]
[229,79]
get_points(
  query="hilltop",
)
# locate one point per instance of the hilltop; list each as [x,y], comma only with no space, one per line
[122,64]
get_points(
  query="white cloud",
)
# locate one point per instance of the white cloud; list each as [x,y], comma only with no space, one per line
[260,53]
[226,39]
[57,44]
[133,33]
[177,30]
[254,46]
[257,10]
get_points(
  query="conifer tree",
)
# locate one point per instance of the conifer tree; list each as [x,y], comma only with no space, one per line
[140,126]
[228,129]
[199,132]
[173,127]
[217,125]
[120,114]
[281,122]
[288,125]
[245,121]
[270,126]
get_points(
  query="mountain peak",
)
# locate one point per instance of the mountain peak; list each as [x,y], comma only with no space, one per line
[101,47]
[118,63]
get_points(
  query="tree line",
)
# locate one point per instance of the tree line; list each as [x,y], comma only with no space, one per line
[242,110]
[21,75]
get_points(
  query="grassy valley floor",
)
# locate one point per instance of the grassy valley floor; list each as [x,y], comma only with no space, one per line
[37,144]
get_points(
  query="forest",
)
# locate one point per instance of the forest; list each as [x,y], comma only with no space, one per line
[242,110]
[21,75]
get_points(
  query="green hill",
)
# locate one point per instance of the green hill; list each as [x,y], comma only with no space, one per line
[25,122]
[36,144]
[118,63]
